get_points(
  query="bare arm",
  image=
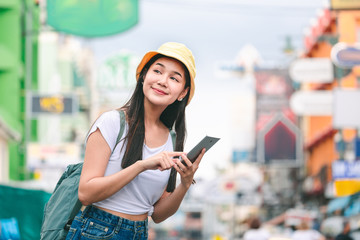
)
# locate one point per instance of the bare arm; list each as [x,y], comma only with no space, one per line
[169,203]
[94,186]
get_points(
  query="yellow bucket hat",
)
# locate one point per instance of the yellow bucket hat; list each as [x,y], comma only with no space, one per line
[174,50]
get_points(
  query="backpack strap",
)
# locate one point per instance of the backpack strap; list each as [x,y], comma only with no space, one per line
[122,127]
[78,204]
[172,177]
[173,138]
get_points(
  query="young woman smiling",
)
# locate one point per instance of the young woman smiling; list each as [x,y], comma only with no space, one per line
[121,185]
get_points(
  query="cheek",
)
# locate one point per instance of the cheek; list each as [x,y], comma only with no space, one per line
[150,79]
[180,89]
[176,89]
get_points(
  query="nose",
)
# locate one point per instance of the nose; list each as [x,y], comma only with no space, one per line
[162,80]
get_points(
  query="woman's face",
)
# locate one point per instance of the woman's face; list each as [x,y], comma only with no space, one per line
[164,82]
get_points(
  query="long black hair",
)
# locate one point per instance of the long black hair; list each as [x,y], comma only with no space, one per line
[172,117]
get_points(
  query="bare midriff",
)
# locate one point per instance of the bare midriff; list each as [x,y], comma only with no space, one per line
[140,217]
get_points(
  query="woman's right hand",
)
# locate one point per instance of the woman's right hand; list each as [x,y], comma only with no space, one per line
[162,161]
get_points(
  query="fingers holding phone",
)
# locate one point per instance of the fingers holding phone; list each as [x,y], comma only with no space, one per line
[187,169]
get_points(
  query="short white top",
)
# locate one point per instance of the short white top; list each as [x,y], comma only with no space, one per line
[309,234]
[138,196]
[256,234]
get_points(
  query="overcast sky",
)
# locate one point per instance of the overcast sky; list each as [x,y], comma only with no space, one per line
[215,31]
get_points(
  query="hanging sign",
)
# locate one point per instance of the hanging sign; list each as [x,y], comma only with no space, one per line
[345,55]
[312,103]
[345,170]
[52,104]
[345,112]
[346,176]
[92,18]
[312,70]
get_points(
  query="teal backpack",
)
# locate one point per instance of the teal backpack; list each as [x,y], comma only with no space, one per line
[64,203]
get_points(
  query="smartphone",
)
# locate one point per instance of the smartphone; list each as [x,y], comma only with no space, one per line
[207,142]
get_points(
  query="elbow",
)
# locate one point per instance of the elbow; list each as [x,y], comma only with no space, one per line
[157,220]
[83,198]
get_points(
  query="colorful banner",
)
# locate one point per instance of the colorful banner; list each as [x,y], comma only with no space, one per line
[345,170]
[346,187]
[92,18]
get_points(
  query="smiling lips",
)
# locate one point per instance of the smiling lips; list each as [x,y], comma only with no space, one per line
[158,91]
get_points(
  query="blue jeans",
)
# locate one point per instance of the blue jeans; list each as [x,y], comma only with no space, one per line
[94,223]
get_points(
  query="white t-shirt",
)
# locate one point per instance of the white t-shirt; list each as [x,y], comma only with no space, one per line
[138,196]
[256,234]
[309,234]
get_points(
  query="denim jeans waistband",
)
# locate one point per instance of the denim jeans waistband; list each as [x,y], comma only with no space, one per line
[107,217]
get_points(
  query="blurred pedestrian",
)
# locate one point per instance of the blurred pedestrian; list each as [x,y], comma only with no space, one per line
[256,232]
[121,185]
[304,232]
[345,235]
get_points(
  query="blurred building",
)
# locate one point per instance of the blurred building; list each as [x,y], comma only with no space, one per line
[19,24]
[328,138]
[61,105]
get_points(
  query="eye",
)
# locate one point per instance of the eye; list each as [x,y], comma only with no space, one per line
[157,71]
[173,78]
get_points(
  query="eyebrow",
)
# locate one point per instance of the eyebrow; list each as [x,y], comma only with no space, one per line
[162,65]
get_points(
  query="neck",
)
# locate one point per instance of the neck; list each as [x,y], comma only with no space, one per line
[152,113]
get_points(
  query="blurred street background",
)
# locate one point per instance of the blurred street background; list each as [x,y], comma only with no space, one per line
[277,81]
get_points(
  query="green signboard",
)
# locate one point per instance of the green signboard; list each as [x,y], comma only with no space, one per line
[116,73]
[92,18]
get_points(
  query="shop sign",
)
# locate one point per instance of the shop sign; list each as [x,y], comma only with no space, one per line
[312,103]
[92,18]
[240,156]
[345,55]
[53,104]
[116,73]
[342,169]
[312,70]
[346,114]
[357,147]
[344,4]
[52,156]
[294,216]
[346,187]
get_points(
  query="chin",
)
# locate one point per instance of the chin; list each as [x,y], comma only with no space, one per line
[161,101]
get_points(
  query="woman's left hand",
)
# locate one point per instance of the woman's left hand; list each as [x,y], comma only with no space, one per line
[187,170]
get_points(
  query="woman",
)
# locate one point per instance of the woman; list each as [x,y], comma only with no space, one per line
[255,232]
[122,187]
[304,232]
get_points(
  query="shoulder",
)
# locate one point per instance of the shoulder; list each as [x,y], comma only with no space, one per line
[109,125]
[110,115]
[111,118]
